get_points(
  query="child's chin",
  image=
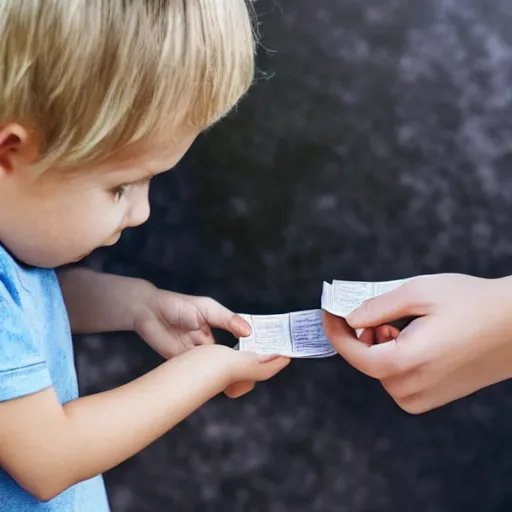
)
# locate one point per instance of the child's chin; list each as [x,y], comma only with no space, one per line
[80,258]
[71,260]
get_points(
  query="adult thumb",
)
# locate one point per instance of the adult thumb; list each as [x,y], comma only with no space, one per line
[401,304]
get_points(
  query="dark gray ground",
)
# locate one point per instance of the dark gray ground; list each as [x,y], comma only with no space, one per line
[381,147]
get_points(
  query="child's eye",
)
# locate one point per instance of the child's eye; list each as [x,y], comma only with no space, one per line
[121,191]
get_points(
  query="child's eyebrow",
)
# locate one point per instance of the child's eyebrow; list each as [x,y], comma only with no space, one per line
[152,173]
[142,174]
[148,174]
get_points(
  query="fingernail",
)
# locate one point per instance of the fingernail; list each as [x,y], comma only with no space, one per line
[241,326]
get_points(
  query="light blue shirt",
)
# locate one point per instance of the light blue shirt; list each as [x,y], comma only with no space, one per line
[36,352]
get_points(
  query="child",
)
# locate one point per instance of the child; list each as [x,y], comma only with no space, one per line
[96,98]
[460,341]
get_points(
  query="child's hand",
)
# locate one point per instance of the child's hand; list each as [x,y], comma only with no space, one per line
[461,342]
[172,323]
[238,371]
[246,368]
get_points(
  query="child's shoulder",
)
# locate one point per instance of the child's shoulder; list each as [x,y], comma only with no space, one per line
[25,323]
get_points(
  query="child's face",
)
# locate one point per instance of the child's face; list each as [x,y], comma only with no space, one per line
[60,218]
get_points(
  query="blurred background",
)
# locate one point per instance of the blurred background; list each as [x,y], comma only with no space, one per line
[376,144]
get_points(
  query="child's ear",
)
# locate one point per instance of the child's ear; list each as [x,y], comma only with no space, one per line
[18,148]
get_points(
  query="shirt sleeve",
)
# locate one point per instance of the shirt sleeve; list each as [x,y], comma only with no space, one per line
[23,370]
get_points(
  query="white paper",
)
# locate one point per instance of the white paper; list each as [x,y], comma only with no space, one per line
[308,335]
[297,334]
[342,297]
[301,333]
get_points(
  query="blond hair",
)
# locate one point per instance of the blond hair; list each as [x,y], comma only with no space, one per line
[92,76]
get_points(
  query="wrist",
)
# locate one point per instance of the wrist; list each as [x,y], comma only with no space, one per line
[214,363]
[142,307]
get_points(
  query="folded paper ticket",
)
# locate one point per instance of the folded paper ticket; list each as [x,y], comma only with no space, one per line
[301,334]
[342,297]
[298,334]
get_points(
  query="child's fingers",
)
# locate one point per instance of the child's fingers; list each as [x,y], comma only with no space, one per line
[217,315]
[239,327]
[265,368]
[268,358]
[268,369]
[169,344]
[239,389]
[257,367]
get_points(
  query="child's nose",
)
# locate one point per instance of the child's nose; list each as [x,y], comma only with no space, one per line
[139,213]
